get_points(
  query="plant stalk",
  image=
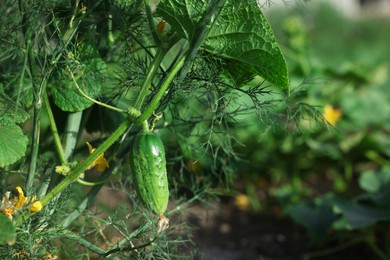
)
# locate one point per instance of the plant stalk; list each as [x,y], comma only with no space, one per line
[72,129]
[152,26]
[74,174]
[149,77]
[54,131]
[160,93]
[200,34]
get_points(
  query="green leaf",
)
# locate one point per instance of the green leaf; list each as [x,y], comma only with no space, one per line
[375,181]
[10,111]
[369,181]
[316,216]
[88,71]
[239,72]
[7,231]
[243,34]
[182,15]
[68,98]
[356,215]
[13,144]
[316,220]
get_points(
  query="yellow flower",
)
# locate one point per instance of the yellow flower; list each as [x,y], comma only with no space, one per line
[36,206]
[9,207]
[332,115]
[241,202]
[21,200]
[100,162]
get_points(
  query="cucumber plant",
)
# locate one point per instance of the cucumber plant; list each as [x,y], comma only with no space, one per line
[128,58]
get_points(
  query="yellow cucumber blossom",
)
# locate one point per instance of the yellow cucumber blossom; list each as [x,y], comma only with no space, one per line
[100,162]
[332,114]
[9,206]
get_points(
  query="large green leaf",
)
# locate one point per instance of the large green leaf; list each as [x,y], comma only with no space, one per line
[316,216]
[88,70]
[241,33]
[358,215]
[13,144]
[7,231]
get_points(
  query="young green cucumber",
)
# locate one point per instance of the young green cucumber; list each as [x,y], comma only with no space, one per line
[150,173]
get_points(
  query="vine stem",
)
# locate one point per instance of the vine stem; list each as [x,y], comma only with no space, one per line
[149,15]
[54,131]
[74,174]
[149,77]
[160,93]
[202,29]
[30,59]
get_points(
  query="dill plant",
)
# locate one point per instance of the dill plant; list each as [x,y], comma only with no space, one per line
[101,71]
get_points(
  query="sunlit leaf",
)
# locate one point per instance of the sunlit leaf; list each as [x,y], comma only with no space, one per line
[13,144]
[241,33]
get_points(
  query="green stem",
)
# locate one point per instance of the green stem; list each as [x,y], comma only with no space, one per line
[72,129]
[145,127]
[91,99]
[160,93]
[70,217]
[54,131]
[110,35]
[380,254]
[95,189]
[34,149]
[71,132]
[149,77]
[202,29]
[115,248]
[152,26]
[30,57]
[37,91]
[83,242]
[74,174]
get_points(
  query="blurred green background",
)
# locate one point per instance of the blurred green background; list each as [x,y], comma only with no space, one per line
[333,179]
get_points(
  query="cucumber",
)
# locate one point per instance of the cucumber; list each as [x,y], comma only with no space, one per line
[148,164]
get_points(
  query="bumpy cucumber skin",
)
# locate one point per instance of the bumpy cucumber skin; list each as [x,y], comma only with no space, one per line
[150,173]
